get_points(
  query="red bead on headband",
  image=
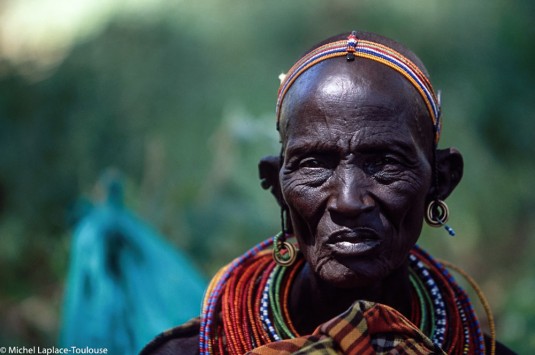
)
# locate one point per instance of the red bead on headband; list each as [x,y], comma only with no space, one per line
[353,47]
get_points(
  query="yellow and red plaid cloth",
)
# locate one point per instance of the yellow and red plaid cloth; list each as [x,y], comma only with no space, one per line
[365,328]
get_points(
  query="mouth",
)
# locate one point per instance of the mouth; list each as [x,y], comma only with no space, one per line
[354,242]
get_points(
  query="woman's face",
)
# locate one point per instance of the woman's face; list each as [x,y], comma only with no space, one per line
[357,142]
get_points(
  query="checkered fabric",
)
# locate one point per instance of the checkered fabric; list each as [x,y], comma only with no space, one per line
[365,328]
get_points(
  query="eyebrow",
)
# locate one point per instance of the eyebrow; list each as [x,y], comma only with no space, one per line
[304,145]
[390,144]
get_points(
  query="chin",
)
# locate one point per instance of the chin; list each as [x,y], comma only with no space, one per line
[341,276]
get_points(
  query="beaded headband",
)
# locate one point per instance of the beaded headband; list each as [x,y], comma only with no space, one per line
[353,47]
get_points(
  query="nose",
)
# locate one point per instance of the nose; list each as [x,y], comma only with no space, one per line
[350,195]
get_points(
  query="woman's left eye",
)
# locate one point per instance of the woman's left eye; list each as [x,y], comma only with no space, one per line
[384,161]
[387,161]
[381,163]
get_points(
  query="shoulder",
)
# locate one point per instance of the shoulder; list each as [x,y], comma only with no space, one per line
[500,348]
[183,339]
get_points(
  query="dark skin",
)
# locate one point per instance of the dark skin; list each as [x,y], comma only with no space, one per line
[356,176]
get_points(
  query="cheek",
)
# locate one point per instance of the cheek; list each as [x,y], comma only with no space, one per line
[403,211]
[403,201]
[305,203]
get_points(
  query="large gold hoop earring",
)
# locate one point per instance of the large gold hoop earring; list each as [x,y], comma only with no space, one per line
[284,253]
[437,215]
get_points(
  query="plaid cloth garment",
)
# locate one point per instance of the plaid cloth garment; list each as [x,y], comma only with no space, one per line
[365,328]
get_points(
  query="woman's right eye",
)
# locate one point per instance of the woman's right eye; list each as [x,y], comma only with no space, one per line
[312,162]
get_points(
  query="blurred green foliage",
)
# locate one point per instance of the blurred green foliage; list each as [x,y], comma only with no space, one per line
[181,100]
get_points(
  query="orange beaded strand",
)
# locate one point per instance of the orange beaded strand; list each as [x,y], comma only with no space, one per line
[258,337]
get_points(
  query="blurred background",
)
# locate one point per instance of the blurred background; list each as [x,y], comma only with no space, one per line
[179,96]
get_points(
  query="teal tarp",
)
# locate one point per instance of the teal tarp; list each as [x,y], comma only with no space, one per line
[125,284]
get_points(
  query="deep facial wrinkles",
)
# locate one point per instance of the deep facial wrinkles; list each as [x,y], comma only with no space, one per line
[359,137]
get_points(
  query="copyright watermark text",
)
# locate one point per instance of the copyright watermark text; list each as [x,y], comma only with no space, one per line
[51,350]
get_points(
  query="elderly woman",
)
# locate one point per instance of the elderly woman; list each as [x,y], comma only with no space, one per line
[358,173]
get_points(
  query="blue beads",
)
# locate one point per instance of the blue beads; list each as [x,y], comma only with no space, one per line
[450,230]
[264,313]
[438,336]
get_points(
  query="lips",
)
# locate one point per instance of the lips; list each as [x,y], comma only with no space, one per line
[354,242]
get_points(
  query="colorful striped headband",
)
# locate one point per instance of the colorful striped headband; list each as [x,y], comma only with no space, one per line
[354,47]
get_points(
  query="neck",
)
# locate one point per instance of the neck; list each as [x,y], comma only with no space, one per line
[314,301]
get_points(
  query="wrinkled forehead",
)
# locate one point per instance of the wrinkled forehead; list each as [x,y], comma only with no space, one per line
[352,90]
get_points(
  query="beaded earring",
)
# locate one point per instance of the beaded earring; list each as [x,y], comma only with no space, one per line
[437,215]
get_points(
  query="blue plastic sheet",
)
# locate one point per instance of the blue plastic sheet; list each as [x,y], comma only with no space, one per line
[125,283]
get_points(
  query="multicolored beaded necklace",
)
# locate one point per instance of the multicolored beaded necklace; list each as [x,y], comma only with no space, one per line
[246,305]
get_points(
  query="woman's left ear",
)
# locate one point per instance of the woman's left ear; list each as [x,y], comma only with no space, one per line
[449,170]
[268,170]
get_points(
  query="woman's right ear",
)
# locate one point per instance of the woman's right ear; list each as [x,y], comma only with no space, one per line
[268,169]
